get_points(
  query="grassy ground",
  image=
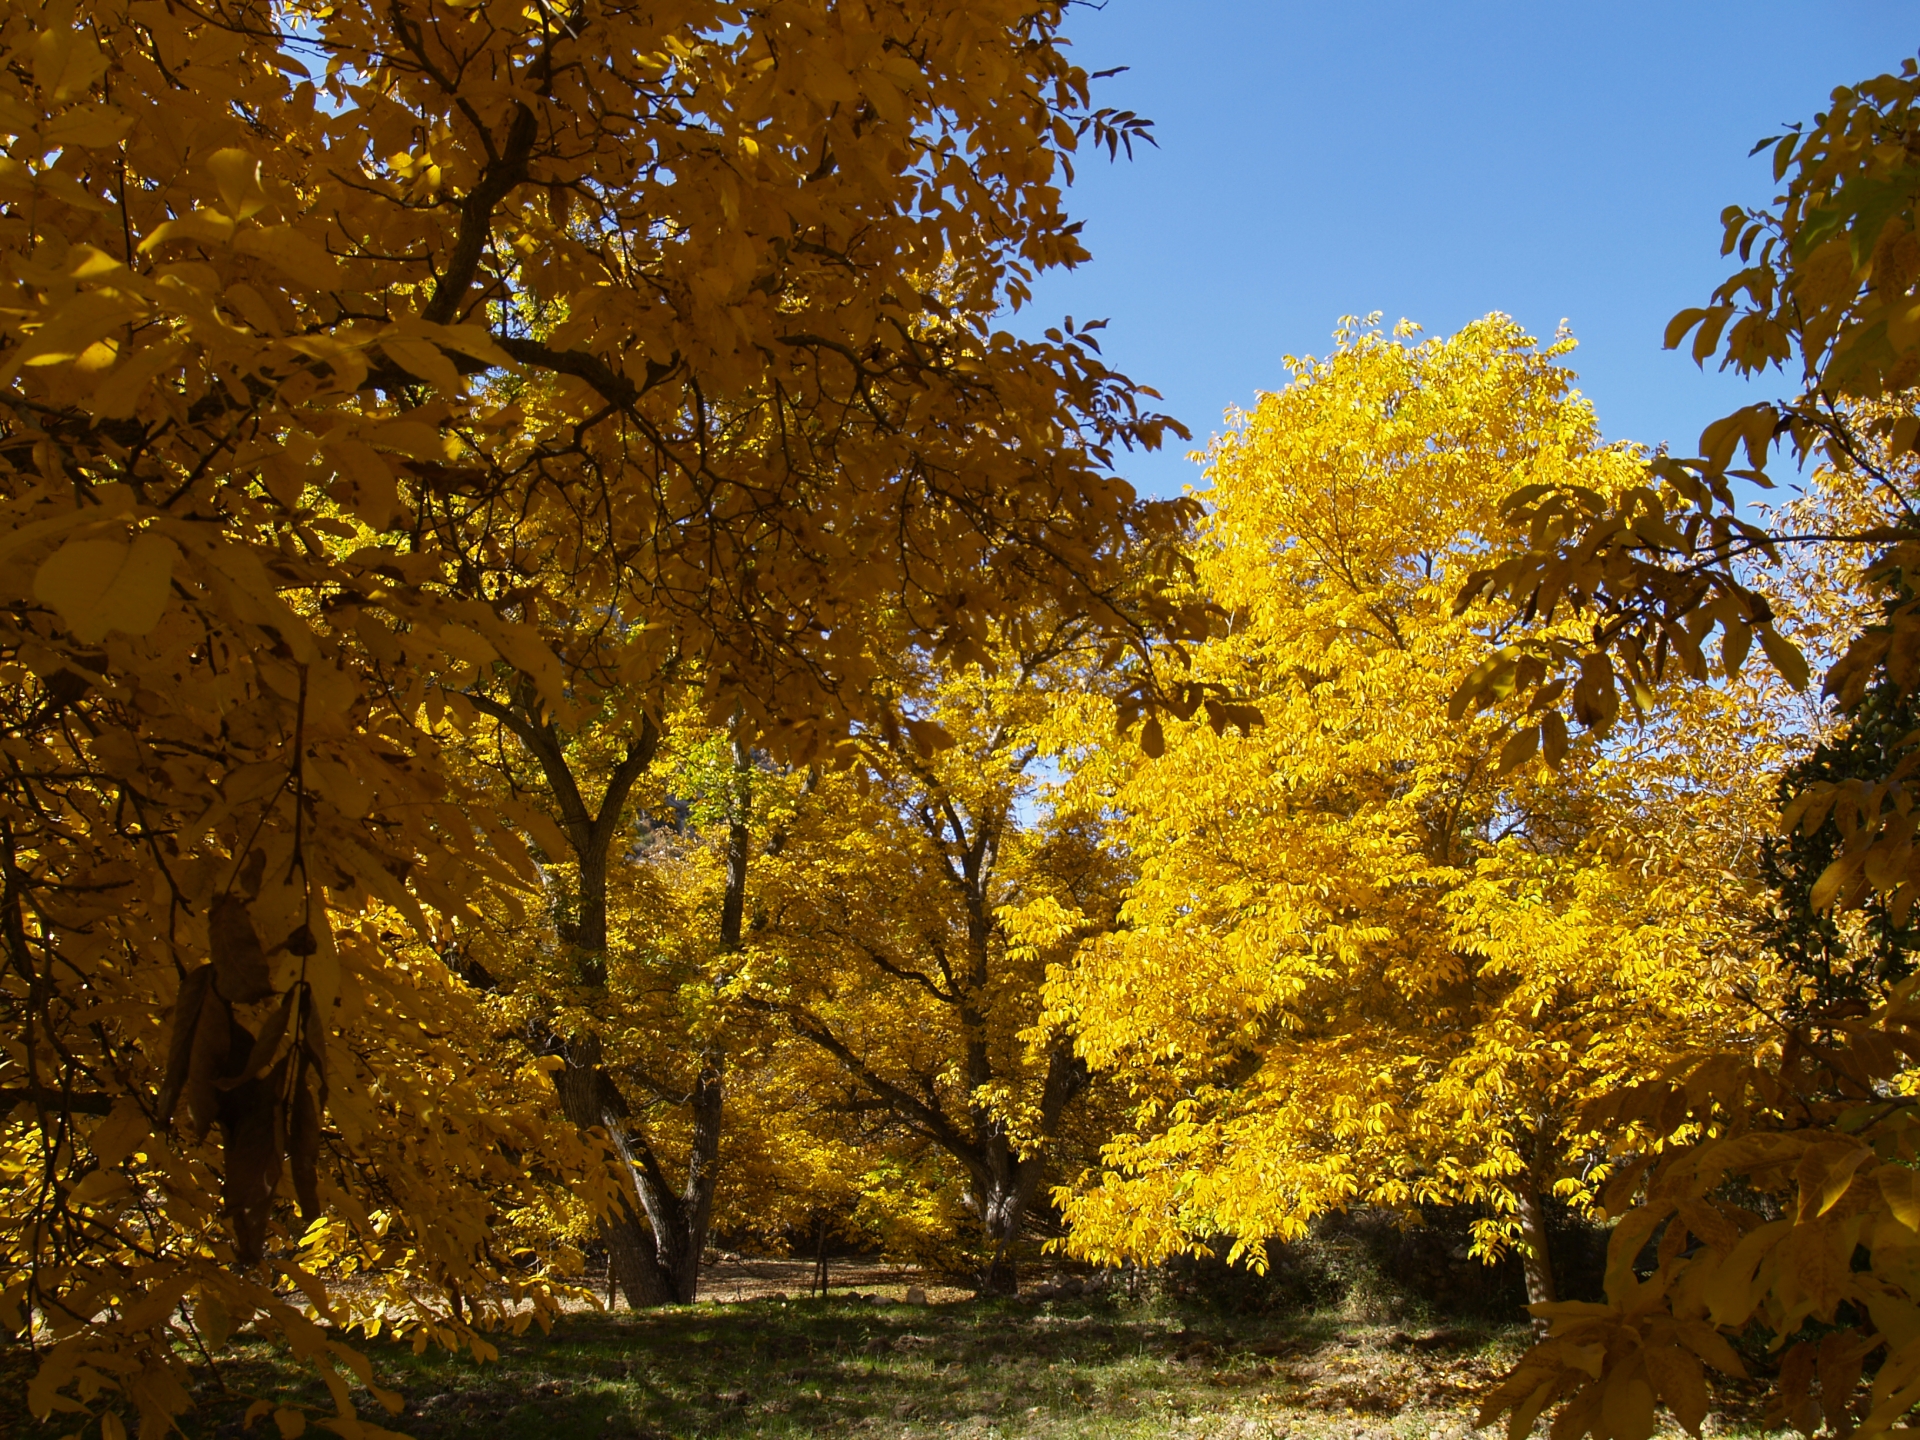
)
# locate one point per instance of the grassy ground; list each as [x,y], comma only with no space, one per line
[805,1368]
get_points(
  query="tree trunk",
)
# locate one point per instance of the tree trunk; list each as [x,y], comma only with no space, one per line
[694,1213]
[703,1169]
[1533,1251]
[680,1219]
[631,1262]
[1004,1210]
[1532,1205]
[587,1098]
[1011,1186]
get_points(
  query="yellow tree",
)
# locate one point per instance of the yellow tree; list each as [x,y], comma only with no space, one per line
[601,976]
[725,275]
[1374,954]
[903,930]
[1817,1120]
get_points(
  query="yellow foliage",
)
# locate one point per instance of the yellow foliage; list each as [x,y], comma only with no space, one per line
[1375,953]
[902,934]
[361,363]
[1812,1120]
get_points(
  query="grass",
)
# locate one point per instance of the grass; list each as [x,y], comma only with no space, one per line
[1063,1370]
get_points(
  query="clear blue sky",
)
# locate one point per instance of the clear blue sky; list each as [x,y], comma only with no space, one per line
[1436,161]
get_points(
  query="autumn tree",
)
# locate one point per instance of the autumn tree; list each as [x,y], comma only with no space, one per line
[351,353]
[1376,954]
[903,932]
[1790,1215]
[600,976]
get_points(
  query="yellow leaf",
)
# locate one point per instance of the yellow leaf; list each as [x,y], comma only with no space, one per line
[89,316]
[1785,657]
[1676,1375]
[1827,887]
[374,493]
[1626,1406]
[291,251]
[1519,749]
[115,1137]
[425,360]
[102,585]
[465,644]
[1900,1188]
[1734,644]
[1838,1179]
[208,226]
[119,394]
[91,127]
[292,1423]
[1729,1295]
[1711,1346]
[1553,738]
[237,174]
[408,437]
[66,62]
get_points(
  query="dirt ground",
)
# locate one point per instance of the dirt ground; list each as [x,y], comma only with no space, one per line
[731,1279]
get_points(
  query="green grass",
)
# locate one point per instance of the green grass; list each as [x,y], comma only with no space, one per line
[1061,1370]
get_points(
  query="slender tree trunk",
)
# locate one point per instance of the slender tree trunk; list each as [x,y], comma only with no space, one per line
[710,1086]
[1005,1211]
[703,1170]
[588,1095]
[820,1259]
[1534,1256]
[1533,1252]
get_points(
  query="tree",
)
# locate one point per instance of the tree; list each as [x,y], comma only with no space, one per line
[1374,954]
[623,949]
[903,932]
[1798,1149]
[352,353]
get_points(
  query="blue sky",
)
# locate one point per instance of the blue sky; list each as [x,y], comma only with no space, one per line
[1437,161]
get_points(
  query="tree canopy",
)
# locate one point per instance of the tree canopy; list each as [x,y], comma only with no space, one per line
[1375,953]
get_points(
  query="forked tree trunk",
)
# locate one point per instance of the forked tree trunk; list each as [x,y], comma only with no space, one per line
[654,1244]
[680,1217]
[1004,1210]
[1010,1184]
[588,1098]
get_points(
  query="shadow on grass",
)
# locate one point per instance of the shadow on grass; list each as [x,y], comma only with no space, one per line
[827,1368]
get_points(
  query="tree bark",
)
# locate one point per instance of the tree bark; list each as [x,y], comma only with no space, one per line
[588,1098]
[1008,1199]
[680,1217]
[1535,1259]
